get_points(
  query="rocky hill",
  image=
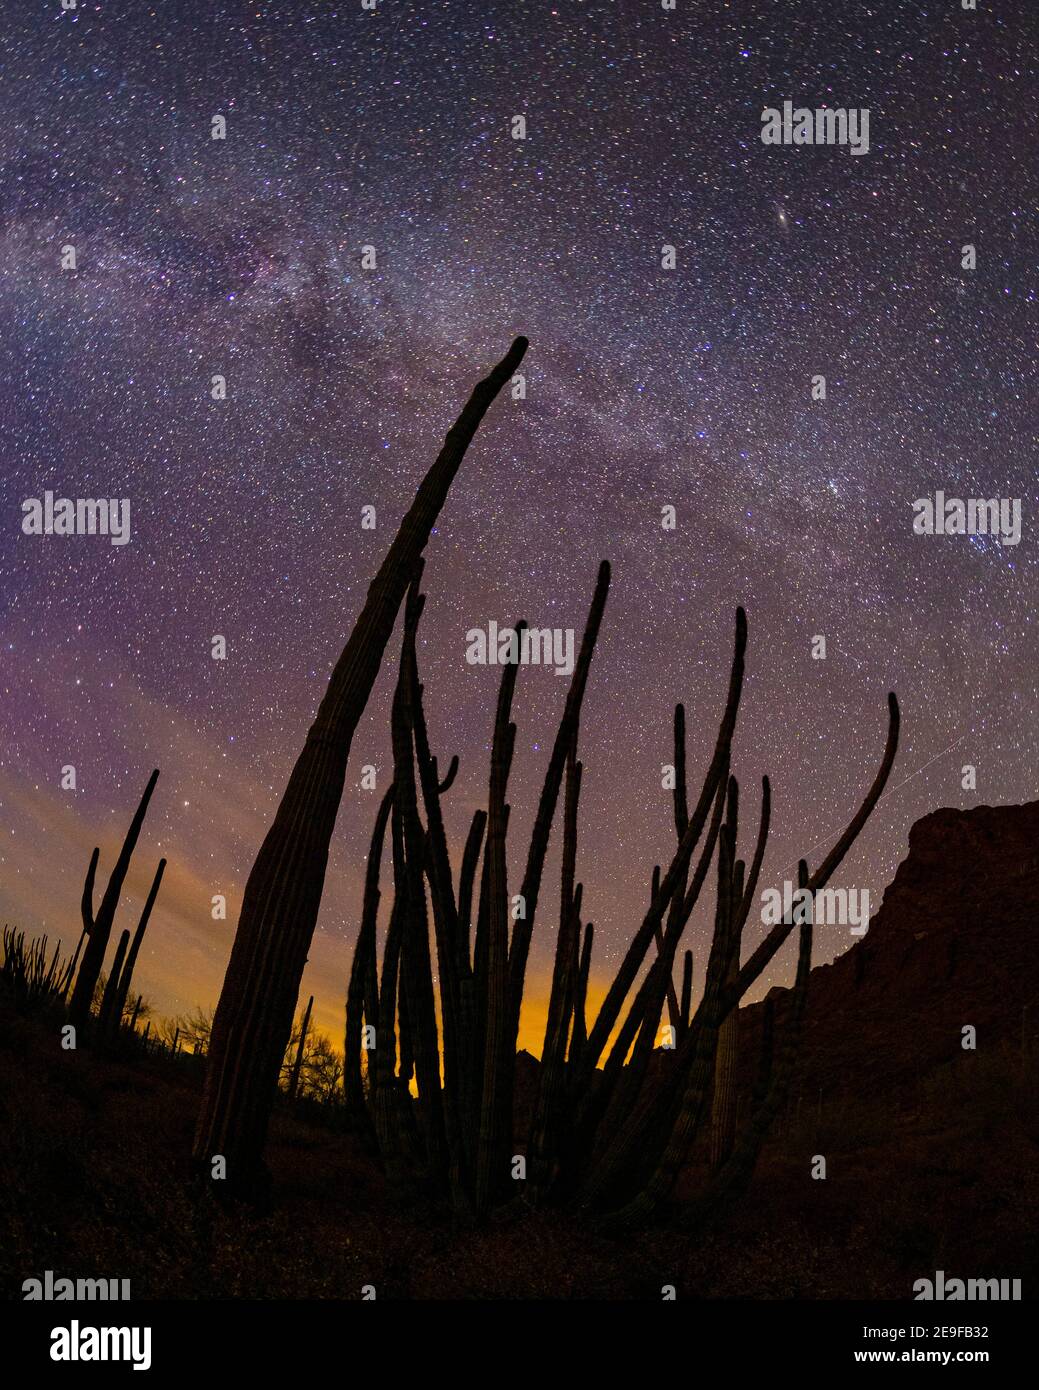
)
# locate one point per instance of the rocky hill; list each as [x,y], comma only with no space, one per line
[955,942]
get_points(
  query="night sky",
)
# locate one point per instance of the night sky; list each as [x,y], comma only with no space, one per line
[645,388]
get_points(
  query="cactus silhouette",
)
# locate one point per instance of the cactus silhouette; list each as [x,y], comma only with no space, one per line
[609,1137]
[253,1019]
[609,1131]
[125,977]
[111,990]
[98,926]
[24,969]
[297,1066]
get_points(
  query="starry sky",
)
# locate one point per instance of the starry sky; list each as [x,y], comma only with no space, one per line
[646,388]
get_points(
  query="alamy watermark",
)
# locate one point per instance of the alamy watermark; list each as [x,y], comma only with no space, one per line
[79,1290]
[529,646]
[826,125]
[80,516]
[975,516]
[841,907]
[939,1289]
[79,1343]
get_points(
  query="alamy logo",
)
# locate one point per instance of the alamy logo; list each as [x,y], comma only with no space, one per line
[842,907]
[952,516]
[82,1290]
[945,1290]
[84,516]
[75,1343]
[530,646]
[824,126]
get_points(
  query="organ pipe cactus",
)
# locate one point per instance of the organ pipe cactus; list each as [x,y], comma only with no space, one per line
[687,993]
[611,1137]
[362,1000]
[609,1131]
[673,1123]
[550,1097]
[496,1053]
[416,966]
[579,1035]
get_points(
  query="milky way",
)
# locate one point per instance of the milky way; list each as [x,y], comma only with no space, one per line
[646,387]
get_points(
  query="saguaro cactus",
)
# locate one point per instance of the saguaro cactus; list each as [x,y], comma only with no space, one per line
[253,1019]
[98,927]
[111,993]
[126,975]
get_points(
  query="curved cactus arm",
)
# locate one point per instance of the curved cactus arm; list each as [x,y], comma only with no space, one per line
[449,779]
[676,927]
[764,953]
[110,901]
[531,884]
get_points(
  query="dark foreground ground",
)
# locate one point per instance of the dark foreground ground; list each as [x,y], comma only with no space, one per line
[940,1174]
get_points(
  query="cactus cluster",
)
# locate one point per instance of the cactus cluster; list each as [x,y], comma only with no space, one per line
[609,1132]
[24,970]
[430,1058]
